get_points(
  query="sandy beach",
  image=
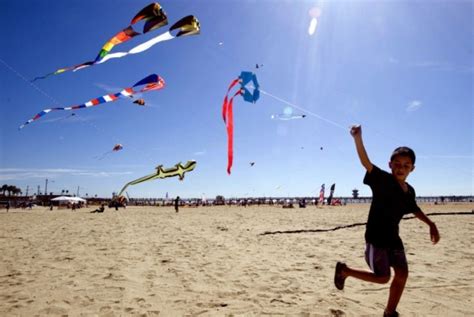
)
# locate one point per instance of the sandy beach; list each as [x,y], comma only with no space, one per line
[214,261]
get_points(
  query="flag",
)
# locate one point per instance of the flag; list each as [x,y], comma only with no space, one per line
[333,187]
[321,194]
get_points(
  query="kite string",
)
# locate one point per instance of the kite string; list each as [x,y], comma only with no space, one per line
[41,91]
[357,224]
[304,110]
[28,81]
[339,125]
[325,119]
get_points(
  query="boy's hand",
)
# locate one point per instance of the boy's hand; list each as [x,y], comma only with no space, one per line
[434,234]
[356,130]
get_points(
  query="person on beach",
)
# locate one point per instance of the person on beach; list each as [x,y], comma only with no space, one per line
[100,210]
[392,198]
[176,204]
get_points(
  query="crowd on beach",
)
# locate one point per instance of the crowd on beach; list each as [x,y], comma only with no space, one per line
[301,202]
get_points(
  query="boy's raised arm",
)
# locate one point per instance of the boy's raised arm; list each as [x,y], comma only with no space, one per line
[356,132]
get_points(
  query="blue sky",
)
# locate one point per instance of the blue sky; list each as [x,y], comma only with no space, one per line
[402,69]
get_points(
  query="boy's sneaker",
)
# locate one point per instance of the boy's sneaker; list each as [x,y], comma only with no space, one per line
[339,279]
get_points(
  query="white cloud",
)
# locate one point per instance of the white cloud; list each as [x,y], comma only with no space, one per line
[107,88]
[27,173]
[414,105]
[392,60]
[433,65]
[453,156]
[442,66]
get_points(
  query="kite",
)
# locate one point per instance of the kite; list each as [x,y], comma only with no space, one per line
[285,117]
[177,170]
[227,112]
[288,115]
[117,147]
[187,26]
[140,102]
[252,163]
[152,82]
[154,18]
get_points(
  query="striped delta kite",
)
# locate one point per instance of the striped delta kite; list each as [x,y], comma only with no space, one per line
[152,82]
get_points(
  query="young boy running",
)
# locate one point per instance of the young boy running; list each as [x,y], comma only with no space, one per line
[392,198]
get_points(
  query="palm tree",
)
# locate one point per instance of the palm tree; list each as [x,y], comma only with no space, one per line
[10,189]
[4,189]
[16,191]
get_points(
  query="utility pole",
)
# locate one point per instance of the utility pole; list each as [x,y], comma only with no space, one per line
[38,190]
[27,188]
[46,187]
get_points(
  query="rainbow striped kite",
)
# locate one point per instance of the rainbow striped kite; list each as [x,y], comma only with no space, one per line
[154,18]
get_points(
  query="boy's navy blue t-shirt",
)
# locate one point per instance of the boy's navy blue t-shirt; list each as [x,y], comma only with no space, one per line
[389,204]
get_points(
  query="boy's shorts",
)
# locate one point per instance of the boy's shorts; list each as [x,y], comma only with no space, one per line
[381,259]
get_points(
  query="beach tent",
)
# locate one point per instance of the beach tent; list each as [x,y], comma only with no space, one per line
[69,199]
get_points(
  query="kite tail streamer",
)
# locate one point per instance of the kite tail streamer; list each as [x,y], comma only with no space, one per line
[42,77]
[224,106]
[224,110]
[137,49]
[228,115]
[230,136]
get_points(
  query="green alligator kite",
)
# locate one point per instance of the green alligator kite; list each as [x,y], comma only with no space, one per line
[177,170]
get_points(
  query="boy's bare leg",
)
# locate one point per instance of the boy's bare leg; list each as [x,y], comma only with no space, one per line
[396,288]
[365,276]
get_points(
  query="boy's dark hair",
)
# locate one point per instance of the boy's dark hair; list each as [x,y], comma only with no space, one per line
[404,151]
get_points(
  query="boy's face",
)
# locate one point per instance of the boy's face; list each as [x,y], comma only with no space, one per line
[401,166]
